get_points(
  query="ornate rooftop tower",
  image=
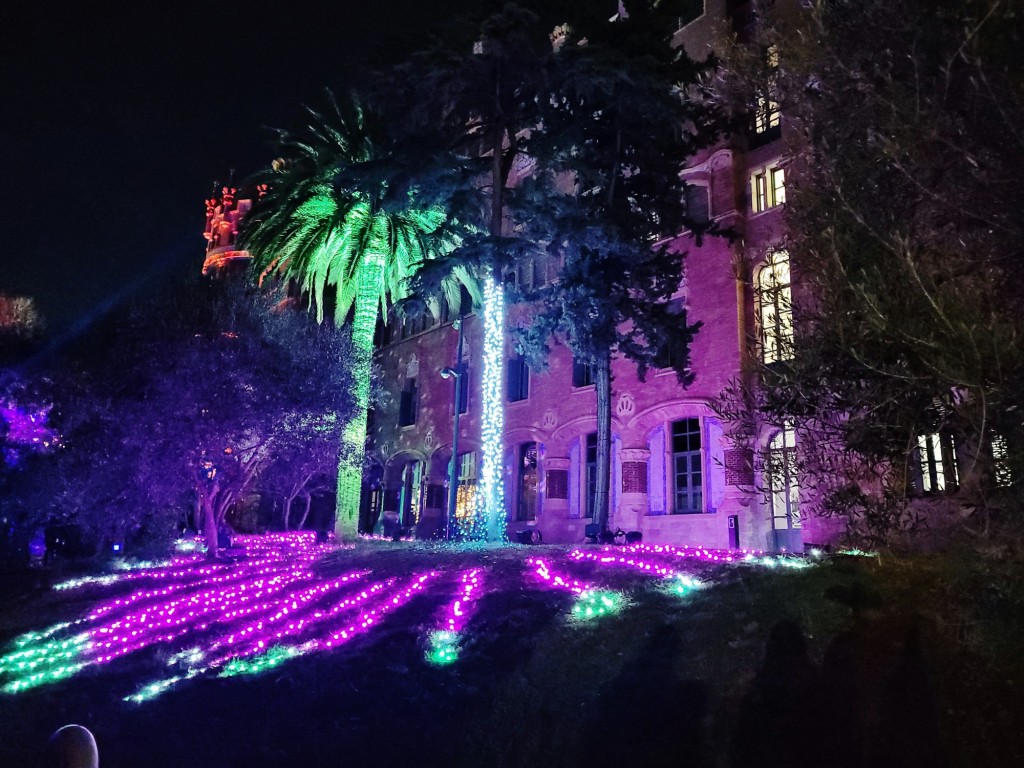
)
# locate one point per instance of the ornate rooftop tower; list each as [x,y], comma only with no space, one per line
[223,214]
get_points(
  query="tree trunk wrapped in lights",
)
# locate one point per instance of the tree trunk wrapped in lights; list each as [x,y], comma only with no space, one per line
[491,499]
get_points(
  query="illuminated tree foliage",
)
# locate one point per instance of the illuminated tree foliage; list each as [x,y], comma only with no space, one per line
[342,222]
[903,121]
[175,407]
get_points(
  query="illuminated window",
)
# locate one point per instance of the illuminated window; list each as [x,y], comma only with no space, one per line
[767,188]
[937,462]
[518,380]
[775,309]
[781,481]
[465,498]
[687,467]
[766,116]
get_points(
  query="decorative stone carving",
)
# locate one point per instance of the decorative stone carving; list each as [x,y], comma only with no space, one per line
[412,368]
[385,449]
[429,440]
[626,406]
[549,420]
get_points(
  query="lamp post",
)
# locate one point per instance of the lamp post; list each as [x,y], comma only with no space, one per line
[455,373]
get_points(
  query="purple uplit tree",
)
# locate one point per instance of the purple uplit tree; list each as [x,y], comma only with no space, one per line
[24,428]
[184,400]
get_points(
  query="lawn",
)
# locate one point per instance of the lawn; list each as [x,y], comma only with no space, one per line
[401,653]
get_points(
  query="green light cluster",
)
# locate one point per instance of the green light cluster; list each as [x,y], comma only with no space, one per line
[190,657]
[444,647]
[83,581]
[781,561]
[684,584]
[595,603]
[857,553]
[38,660]
[273,657]
[153,690]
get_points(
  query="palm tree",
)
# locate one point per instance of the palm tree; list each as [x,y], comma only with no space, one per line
[340,216]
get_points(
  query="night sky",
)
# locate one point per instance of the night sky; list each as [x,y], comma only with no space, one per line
[117,122]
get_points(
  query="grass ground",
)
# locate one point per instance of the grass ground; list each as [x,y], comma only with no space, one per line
[859,661]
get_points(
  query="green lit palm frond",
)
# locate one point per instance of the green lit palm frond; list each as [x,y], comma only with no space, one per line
[341,195]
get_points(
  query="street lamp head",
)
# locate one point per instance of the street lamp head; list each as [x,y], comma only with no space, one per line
[447,373]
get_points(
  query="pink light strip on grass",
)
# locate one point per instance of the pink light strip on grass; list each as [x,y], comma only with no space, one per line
[260,635]
[180,617]
[612,558]
[260,642]
[371,616]
[457,612]
[554,579]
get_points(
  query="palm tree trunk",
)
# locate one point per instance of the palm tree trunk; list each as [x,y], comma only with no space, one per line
[353,448]
[603,387]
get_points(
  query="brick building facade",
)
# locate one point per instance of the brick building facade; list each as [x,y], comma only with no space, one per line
[679,474]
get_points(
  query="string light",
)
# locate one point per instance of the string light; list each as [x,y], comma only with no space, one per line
[593,604]
[258,612]
[444,647]
[444,643]
[557,580]
[491,494]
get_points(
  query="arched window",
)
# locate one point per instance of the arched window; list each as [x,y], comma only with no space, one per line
[411,500]
[781,481]
[775,309]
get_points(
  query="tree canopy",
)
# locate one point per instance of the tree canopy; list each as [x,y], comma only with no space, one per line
[903,123]
[175,405]
[615,130]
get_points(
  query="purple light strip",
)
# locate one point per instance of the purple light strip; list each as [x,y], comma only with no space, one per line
[241,572]
[260,635]
[182,616]
[609,558]
[705,554]
[554,579]
[371,616]
[383,605]
[457,613]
